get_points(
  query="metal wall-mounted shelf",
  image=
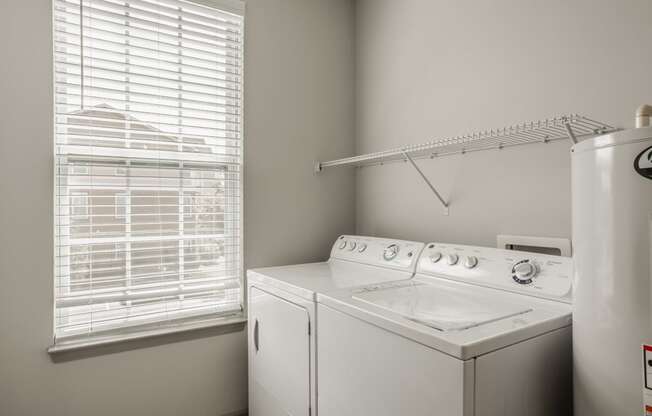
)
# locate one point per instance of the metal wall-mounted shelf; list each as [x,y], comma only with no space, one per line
[573,127]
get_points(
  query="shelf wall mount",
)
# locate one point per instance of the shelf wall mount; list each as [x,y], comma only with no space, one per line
[443,202]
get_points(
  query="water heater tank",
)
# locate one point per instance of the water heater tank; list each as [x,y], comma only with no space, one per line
[612,227]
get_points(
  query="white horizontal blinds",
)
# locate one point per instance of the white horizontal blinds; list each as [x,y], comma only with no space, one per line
[148,163]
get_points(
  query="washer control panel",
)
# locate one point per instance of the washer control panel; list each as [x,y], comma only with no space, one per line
[395,254]
[517,271]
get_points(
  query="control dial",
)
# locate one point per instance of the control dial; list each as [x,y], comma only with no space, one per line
[342,245]
[390,252]
[362,247]
[470,262]
[435,257]
[452,259]
[524,271]
[352,246]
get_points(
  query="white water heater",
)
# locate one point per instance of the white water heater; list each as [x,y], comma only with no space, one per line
[612,230]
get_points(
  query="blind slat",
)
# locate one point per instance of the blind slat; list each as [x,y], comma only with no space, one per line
[150,129]
[156,291]
[161,260]
[228,89]
[145,154]
[228,63]
[116,31]
[136,89]
[165,312]
[148,154]
[147,98]
[206,76]
[143,285]
[73,53]
[98,312]
[151,21]
[123,284]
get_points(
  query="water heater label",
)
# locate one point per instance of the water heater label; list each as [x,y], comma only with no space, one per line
[647,366]
[647,376]
[643,163]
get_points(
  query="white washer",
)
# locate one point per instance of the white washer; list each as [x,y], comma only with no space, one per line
[282,312]
[478,331]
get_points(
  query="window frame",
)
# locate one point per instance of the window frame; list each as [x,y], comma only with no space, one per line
[230,321]
[85,206]
[116,205]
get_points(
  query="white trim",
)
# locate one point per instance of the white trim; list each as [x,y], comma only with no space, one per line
[243,275]
[230,10]
[236,320]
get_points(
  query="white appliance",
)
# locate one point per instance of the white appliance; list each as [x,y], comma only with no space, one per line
[282,324]
[478,331]
[612,227]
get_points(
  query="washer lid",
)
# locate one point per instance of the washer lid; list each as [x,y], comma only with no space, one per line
[306,280]
[444,309]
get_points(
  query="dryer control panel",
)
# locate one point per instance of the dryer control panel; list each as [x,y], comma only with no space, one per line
[382,252]
[533,274]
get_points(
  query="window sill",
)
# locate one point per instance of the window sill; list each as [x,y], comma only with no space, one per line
[231,323]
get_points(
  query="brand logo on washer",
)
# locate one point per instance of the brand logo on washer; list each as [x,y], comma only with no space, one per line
[643,163]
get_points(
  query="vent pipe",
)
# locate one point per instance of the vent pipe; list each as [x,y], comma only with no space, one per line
[643,114]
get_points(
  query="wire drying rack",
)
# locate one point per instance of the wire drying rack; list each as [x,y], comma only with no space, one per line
[573,127]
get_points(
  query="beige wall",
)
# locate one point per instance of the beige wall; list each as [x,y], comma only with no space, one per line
[298,107]
[438,68]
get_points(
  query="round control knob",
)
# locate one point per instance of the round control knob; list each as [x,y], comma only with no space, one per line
[362,247]
[342,245]
[452,259]
[470,262]
[524,271]
[352,246]
[390,252]
[435,257]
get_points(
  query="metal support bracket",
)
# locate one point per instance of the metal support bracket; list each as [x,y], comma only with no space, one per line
[571,134]
[425,179]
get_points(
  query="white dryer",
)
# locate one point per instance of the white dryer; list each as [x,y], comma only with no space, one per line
[478,331]
[282,317]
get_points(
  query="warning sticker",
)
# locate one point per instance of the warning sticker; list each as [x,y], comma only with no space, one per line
[647,374]
[643,163]
[647,366]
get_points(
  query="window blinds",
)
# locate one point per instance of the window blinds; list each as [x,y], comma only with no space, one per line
[148,98]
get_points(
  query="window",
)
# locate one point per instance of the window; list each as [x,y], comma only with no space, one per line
[120,205]
[79,206]
[148,148]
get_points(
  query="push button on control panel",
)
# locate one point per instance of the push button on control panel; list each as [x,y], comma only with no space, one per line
[452,259]
[435,257]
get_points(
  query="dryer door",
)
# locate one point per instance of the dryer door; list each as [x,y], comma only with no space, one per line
[279,356]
